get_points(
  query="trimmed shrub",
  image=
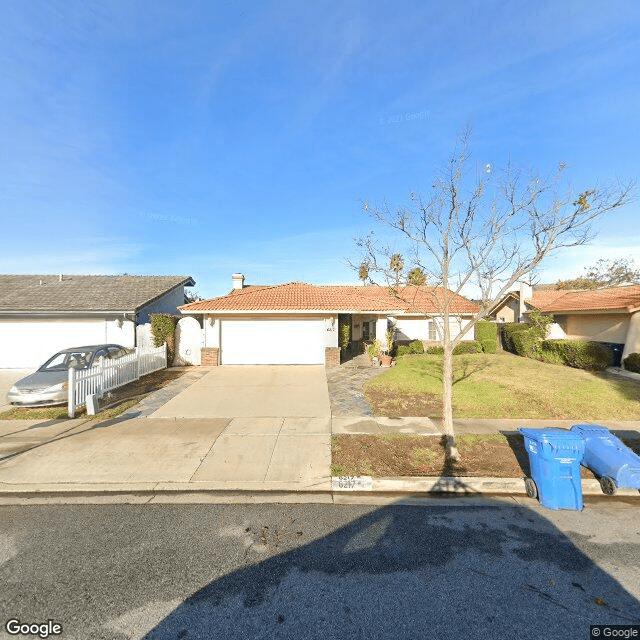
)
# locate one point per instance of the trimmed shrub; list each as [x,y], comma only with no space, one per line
[632,362]
[403,350]
[526,344]
[416,346]
[470,346]
[508,331]
[435,350]
[579,354]
[489,345]
[486,330]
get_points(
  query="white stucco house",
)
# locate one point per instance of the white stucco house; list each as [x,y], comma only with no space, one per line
[297,323]
[41,314]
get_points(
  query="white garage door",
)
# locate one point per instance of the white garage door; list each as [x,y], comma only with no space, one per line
[26,345]
[272,342]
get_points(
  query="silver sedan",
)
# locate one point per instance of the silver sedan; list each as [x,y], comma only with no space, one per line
[49,384]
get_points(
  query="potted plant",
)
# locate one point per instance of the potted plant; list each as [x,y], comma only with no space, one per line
[385,358]
[373,351]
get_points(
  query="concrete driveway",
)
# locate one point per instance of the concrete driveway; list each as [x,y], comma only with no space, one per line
[245,428]
[250,391]
[7,379]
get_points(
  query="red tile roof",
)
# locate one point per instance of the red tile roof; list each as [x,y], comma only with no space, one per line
[614,298]
[299,296]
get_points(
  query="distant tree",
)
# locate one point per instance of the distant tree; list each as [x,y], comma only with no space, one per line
[416,277]
[605,273]
[470,231]
[363,272]
[191,296]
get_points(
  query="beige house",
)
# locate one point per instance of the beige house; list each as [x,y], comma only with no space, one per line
[603,315]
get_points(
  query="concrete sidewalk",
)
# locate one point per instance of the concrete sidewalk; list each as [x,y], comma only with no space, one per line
[225,460]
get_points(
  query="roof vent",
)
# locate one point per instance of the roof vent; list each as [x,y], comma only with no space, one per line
[237,280]
[60,278]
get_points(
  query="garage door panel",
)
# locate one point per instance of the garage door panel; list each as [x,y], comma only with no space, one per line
[289,341]
[28,344]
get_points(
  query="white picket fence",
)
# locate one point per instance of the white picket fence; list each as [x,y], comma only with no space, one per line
[106,374]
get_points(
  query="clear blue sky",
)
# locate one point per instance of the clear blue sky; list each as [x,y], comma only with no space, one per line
[204,138]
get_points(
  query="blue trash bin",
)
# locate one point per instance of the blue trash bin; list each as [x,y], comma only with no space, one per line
[609,458]
[554,458]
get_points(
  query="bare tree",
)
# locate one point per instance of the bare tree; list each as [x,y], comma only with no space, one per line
[489,232]
[605,273]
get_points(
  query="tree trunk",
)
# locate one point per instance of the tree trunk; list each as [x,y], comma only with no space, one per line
[447,403]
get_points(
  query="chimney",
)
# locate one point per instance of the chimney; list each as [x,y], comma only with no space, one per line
[237,280]
[526,293]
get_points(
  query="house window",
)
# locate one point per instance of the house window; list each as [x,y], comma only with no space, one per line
[432,330]
[365,330]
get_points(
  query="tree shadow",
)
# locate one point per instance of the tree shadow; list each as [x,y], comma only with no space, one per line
[463,368]
[403,571]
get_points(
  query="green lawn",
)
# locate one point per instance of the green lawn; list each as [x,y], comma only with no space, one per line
[507,386]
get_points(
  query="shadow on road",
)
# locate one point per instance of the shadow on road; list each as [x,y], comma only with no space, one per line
[409,572]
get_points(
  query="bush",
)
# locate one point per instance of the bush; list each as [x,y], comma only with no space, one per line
[373,350]
[435,350]
[526,344]
[509,331]
[470,346]
[403,350]
[632,362]
[489,345]
[486,330]
[416,346]
[579,354]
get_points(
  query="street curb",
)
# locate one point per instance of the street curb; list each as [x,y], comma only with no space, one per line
[362,490]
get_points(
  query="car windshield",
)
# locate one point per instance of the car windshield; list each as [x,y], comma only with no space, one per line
[62,360]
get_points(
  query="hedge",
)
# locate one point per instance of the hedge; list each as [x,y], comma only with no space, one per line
[489,345]
[508,331]
[435,350]
[486,330]
[415,346]
[632,362]
[579,354]
[470,346]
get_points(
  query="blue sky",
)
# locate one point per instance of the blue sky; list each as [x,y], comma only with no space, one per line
[206,138]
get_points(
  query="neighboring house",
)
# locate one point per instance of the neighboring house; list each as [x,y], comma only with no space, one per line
[610,315]
[297,323]
[42,314]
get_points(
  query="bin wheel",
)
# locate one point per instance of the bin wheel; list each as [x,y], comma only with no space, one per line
[608,485]
[530,487]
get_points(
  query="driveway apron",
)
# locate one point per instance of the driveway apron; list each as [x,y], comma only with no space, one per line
[279,426]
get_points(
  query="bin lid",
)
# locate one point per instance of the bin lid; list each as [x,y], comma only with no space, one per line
[551,434]
[591,430]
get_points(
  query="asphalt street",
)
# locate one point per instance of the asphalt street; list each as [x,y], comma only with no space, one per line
[319,571]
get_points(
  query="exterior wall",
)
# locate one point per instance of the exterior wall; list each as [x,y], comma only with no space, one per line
[508,312]
[125,334]
[418,328]
[598,327]
[632,343]
[168,303]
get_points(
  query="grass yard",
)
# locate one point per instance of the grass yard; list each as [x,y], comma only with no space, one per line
[502,386]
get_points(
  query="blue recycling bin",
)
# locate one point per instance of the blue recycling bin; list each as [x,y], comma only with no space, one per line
[554,458]
[609,458]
